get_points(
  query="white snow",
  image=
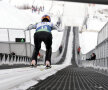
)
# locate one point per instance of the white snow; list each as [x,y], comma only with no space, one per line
[22,78]
[11,17]
[88,41]
[96,20]
[96,66]
[69,50]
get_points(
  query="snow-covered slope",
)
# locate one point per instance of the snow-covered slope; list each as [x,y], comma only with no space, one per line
[11,17]
[97,16]
[22,78]
[88,41]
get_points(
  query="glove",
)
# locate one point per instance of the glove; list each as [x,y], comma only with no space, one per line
[29,27]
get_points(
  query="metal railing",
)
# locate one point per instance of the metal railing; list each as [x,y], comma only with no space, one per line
[101,51]
[76,56]
[101,63]
[103,34]
[7,41]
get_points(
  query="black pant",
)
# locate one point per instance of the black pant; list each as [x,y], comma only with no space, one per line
[46,37]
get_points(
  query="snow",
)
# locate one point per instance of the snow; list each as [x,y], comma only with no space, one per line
[69,50]
[11,17]
[23,76]
[88,41]
[96,20]
[94,24]
[97,67]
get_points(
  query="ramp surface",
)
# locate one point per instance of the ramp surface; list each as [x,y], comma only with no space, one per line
[73,78]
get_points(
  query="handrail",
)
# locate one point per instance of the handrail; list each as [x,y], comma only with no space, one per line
[13,28]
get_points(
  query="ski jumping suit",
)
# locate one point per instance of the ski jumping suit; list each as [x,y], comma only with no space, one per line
[43,33]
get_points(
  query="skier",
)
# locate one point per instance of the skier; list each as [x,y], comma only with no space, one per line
[78,50]
[43,33]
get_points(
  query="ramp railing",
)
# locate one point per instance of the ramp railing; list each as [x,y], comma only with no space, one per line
[101,51]
[9,44]
[76,56]
[22,49]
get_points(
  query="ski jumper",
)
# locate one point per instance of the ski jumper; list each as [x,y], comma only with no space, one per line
[43,33]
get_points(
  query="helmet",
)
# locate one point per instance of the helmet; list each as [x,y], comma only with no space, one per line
[46,17]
